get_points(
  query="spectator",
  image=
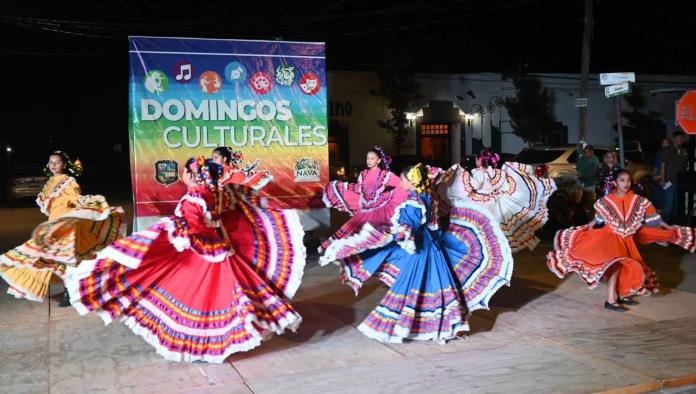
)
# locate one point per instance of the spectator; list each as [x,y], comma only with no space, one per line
[673,161]
[606,173]
[657,195]
[587,168]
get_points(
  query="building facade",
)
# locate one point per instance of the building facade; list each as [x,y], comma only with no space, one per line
[462,112]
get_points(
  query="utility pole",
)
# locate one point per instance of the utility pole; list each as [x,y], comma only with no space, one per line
[585,68]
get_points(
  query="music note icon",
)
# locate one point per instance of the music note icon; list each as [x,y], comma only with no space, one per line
[184,73]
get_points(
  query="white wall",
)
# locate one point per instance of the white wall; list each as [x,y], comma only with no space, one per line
[364,132]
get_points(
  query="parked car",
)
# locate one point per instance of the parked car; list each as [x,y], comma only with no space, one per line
[559,163]
[24,182]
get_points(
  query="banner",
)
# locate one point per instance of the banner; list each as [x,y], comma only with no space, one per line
[264,98]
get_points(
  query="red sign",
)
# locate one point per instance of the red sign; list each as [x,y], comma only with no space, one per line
[686,112]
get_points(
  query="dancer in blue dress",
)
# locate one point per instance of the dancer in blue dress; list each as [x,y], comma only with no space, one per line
[437,277]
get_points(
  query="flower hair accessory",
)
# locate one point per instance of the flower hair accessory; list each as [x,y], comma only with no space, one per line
[200,168]
[415,176]
[434,174]
[236,155]
[386,159]
[489,158]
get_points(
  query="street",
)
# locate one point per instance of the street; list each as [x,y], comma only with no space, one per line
[541,335]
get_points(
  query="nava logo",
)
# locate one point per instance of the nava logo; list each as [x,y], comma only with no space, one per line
[307,170]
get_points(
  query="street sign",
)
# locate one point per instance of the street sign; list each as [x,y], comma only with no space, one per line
[617,90]
[686,112]
[614,78]
[581,102]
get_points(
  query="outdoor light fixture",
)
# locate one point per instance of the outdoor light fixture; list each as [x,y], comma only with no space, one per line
[411,117]
[9,149]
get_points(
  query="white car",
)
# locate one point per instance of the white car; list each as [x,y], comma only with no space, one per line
[25,182]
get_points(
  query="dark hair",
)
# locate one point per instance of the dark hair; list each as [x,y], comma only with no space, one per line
[424,184]
[616,174]
[208,172]
[70,168]
[223,151]
[677,134]
[405,170]
[468,162]
[588,147]
[385,159]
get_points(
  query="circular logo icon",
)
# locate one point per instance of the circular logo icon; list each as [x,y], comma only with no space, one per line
[210,82]
[183,72]
[235,72]
[156,81]
[310,84]
[285,75]
[261,82]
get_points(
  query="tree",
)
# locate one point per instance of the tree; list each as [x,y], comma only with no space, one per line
[531,111]
[641,125]
[402,94]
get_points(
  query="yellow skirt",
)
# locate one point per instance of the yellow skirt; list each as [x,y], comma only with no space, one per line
[55,245]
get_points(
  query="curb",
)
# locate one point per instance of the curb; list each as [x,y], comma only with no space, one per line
[652,385]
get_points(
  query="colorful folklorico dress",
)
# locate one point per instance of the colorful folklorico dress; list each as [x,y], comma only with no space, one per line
[247,176]
[200,285]
[77,227]
[436,278]
[371,201]
[593,252]
[513,194]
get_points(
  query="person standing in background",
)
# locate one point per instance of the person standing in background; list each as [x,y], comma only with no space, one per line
[587,169]
[673,161]
[657,194]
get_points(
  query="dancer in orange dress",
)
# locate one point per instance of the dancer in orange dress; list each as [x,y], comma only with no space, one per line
[607,246]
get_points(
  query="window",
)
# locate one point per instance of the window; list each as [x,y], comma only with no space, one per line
[435,142]
[435,129]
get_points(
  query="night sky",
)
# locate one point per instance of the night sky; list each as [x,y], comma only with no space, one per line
[66,67]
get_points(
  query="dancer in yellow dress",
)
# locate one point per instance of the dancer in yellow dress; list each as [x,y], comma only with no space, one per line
[78,226]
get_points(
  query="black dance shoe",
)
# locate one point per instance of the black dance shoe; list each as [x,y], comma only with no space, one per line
[614,307]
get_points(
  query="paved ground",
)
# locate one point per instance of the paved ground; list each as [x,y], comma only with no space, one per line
[542,335]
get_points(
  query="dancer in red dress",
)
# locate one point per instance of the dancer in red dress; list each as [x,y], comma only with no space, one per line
[606,247]
[191,289]
[249,176]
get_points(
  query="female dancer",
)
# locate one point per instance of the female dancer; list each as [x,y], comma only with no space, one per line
[436,277]
[370,201]
[77,227]
[606,247]
[513,194]
[190,289]
[230,160]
